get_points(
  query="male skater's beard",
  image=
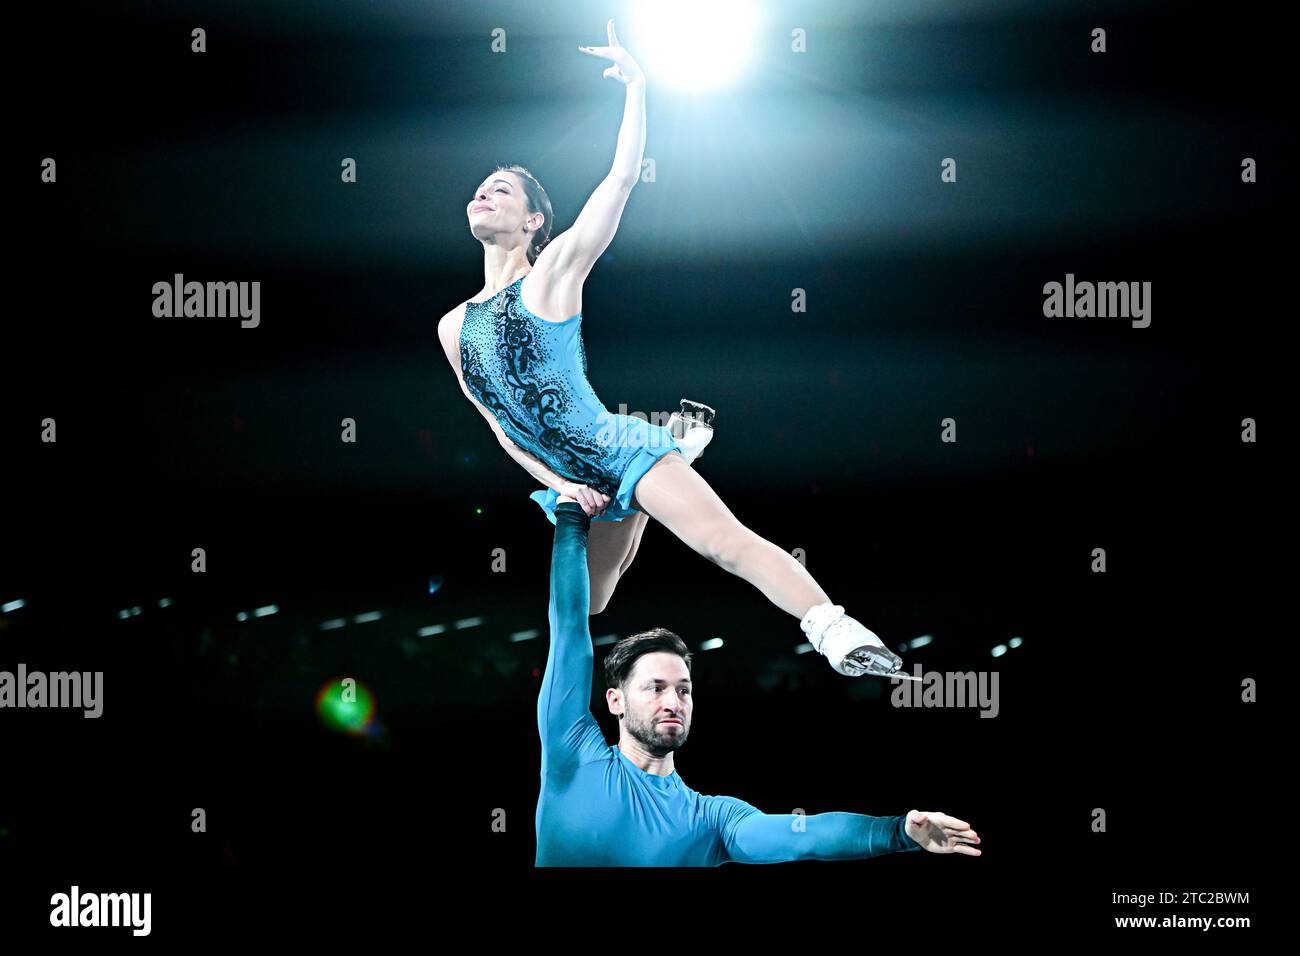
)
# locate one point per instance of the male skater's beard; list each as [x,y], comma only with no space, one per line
[657,743]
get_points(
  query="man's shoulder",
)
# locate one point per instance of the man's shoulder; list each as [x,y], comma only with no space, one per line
[724,810]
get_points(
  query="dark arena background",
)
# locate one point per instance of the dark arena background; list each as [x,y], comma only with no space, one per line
[412,561]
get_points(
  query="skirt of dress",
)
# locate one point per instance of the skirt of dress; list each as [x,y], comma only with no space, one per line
[641,444]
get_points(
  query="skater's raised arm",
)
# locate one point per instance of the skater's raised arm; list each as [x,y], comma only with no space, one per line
[576,250]
[570,734]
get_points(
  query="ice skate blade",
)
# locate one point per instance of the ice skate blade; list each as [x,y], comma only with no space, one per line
[871,661]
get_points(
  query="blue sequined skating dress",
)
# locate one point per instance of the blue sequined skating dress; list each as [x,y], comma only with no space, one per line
[532,375]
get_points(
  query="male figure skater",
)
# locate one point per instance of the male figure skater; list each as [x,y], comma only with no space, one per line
[625,805]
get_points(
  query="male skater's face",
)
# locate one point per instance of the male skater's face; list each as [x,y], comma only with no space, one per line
[657,702]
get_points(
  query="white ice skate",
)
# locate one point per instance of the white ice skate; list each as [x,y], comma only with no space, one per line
[692,427]
[851,649]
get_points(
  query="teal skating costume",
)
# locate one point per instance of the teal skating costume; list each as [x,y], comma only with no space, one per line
[532,375]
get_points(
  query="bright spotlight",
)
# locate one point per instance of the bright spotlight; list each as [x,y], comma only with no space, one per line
[693,44]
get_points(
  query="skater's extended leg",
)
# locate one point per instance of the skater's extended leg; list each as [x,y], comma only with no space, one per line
[674,494]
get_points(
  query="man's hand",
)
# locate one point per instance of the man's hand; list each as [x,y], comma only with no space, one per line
[940,833]
[625,69]
[592,501]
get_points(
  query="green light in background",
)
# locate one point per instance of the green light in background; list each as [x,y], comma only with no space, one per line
[346,705]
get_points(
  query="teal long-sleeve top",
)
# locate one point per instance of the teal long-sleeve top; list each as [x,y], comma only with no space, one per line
[597,808]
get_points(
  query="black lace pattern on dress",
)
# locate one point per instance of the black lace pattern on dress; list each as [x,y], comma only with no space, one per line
[530,406]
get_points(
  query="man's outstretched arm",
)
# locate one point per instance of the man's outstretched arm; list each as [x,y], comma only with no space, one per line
[781,837]
[754,837]
[569,732]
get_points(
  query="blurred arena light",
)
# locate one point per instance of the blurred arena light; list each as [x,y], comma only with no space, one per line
[691,45]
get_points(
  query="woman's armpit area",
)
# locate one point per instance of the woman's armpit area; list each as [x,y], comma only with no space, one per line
[449,327]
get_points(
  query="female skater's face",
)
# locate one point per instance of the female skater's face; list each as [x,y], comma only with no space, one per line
[498,205]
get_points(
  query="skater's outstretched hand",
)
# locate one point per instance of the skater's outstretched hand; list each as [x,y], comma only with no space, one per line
[940,833]
[592,501]
[625,69]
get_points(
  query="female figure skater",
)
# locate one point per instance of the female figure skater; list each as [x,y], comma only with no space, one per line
[517,351]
